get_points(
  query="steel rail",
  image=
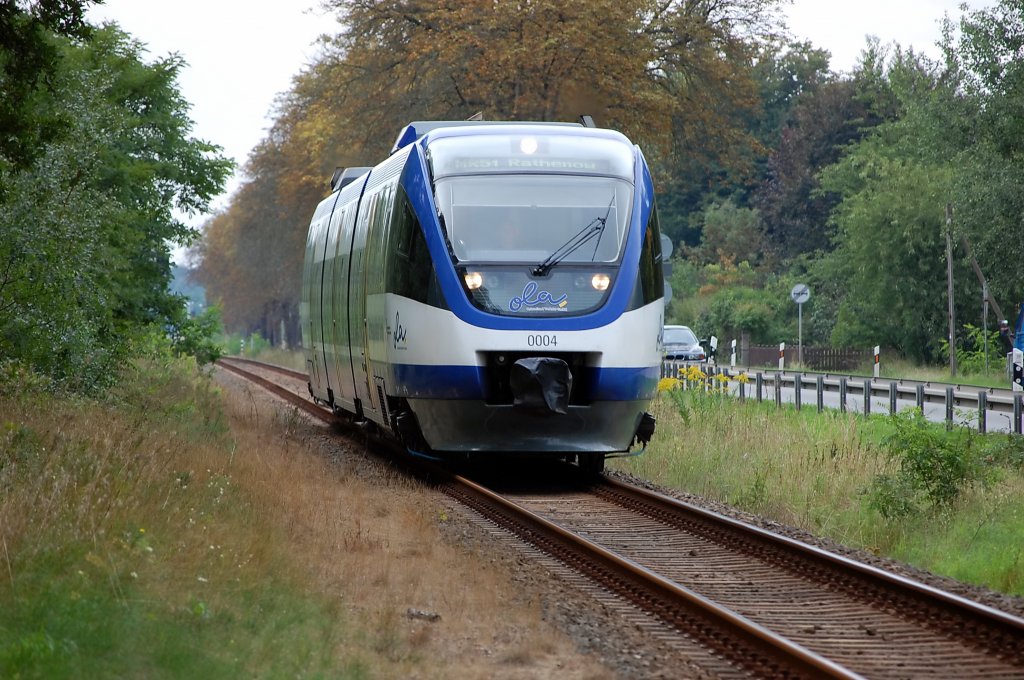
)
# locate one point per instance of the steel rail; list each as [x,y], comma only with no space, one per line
[1003,632]
[736,638]
[764,653]
[283,370]
[305,404]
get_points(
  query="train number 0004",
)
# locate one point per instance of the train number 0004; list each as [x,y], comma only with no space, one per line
[542,340]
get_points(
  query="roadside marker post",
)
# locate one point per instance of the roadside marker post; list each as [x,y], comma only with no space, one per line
[1018,371]
[877,348]
[1018,388]
[782,357]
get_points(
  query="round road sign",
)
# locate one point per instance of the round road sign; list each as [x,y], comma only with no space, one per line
[666,247]
[800,293]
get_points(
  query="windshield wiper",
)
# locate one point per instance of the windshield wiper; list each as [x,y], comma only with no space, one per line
[593,228]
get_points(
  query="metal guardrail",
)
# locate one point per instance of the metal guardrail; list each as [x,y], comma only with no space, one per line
[789,387]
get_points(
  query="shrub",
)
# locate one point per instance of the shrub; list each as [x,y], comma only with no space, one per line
[194,336]
[934,466]
[970,351]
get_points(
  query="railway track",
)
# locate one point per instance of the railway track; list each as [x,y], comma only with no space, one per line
[764,605]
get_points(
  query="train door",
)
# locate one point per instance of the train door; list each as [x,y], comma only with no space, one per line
[333,270]
[312,300]
[376,298]
[345,379]
[357,306]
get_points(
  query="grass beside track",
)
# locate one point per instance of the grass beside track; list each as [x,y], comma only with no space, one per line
[948,502]
[128,551]
[176,531]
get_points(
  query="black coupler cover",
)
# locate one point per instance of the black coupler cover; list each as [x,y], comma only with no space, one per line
[541,384]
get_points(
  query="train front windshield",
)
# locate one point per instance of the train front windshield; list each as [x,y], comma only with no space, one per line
[520,199]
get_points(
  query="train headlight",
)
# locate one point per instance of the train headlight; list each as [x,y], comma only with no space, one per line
[474,280]
[600,281]
[528,145]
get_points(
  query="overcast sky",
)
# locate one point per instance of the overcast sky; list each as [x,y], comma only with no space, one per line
[241,54]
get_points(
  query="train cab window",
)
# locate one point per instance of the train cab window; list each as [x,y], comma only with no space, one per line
[536,225]
[526,218]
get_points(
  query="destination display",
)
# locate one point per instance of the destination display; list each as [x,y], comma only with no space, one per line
[524,153]
[530,163]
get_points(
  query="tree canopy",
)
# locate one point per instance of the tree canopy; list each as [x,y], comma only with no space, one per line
[95,175]
[675,76]
[769,166]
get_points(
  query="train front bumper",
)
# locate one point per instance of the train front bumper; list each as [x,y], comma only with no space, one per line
[469,426]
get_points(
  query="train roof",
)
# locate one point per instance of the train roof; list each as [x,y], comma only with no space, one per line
[413,131]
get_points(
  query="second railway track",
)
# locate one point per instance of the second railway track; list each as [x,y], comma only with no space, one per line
[764,604]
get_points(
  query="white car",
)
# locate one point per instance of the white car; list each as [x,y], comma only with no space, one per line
[681,345]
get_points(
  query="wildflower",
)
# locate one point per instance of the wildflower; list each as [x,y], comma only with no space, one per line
[692,373]
[668,384]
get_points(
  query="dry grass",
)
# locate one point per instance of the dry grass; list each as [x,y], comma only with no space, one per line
[244,537]
[375,545]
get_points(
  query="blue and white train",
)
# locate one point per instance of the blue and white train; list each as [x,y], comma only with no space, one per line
[491,288]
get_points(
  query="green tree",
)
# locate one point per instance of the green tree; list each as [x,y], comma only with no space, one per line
[30,58]
[823,123]
[730,234]
[989,191]
[762,309]
[785,73]
[88,221]
[891,254]
[952,144]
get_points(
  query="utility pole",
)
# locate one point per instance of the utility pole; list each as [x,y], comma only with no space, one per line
[981,277]
[949,289]
[984,319]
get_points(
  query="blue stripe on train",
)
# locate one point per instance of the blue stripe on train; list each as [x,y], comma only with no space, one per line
[418,381]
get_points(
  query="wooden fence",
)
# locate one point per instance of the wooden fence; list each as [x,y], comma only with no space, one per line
[815,358]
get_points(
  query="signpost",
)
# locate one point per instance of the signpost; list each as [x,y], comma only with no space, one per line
[800,294]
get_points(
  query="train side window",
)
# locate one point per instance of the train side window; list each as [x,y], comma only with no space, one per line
[411,271]
[652,284]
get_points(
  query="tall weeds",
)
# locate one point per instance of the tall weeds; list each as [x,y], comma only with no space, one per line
[172,530]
